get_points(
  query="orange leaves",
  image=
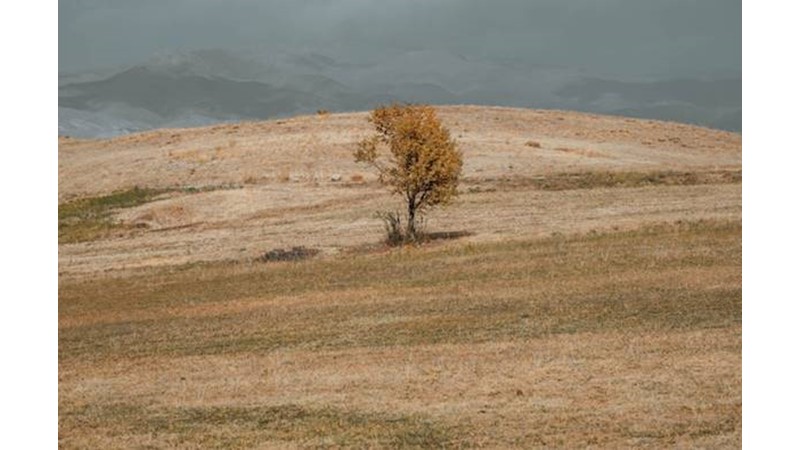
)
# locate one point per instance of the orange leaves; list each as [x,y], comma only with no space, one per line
[422,162]
[422,159]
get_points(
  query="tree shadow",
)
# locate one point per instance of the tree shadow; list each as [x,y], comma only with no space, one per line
[444,235]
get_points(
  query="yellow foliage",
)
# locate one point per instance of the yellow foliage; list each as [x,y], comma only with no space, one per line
[422,164]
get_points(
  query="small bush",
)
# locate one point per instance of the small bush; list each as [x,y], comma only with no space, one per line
[396,234]
[393,226]
[284,176]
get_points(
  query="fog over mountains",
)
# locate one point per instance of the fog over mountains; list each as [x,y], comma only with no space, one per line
[129,66]
[208,86]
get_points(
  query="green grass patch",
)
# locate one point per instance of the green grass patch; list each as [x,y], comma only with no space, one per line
[90,218]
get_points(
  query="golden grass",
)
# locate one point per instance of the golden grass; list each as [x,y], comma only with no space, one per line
[314,147]
[501,339]
[253,426]
[628,339]
[618,179]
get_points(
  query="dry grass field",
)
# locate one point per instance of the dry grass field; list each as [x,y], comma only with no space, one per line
[585,292]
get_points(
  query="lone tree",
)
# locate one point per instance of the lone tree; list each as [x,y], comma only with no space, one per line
[423,164]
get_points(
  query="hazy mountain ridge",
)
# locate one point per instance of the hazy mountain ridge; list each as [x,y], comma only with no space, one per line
[709,93]
[714,103]
[207,86]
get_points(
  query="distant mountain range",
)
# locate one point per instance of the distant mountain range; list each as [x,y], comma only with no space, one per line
[208,86]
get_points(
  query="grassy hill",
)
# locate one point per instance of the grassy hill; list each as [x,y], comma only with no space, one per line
[586,290]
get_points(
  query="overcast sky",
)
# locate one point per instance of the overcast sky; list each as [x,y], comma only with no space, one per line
[653,38]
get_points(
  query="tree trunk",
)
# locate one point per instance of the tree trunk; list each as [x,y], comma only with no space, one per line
[411,227]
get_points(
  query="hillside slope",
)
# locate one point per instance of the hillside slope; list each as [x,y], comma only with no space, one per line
[234,191]
[586,289]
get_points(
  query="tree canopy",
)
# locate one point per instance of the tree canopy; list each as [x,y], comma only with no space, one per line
[422,164]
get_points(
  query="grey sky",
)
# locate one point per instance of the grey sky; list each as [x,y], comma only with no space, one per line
[655,38]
